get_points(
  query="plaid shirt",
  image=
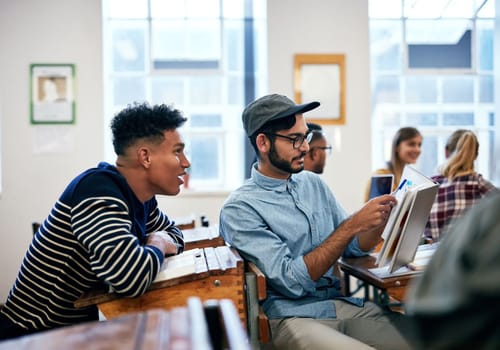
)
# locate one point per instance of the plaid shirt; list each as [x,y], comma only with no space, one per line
[453,199]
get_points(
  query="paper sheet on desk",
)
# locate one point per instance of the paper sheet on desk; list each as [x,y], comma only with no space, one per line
[383,272]
[422,257]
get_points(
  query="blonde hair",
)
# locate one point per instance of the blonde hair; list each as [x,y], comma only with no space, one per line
[461,162]
[451,143]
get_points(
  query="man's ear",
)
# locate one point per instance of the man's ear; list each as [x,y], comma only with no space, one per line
[263,143]
[144,157]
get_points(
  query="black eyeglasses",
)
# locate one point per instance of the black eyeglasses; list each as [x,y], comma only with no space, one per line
[327,149]
[297,140]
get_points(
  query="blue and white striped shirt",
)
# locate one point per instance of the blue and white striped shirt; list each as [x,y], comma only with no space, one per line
[94,236]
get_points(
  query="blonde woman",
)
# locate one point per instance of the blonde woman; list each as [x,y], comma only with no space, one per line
[460,186]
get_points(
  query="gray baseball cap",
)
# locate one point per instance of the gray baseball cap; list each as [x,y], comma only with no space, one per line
[271,107]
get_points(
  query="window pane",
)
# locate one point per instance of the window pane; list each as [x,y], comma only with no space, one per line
[458,89]
[486,92]
[168,90]
[421,89]
[205,90]
[128,8]
[485,35]
[422,119]
[441,8]
[385,8]
[128,89]
[191,54]
[386,90]
[129,51]
[444,44]
[488,10]
[206,120]
[233,9]
[185,8]
[186,40]
[235,91]
[203,8]
[427,162]
[463,119]
[259,10]
[436,31]
[392,119]
[385,45]
[168,8]
[204,157]
[233,32]
[204,38]
[168,40]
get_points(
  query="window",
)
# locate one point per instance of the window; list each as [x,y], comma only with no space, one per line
[195,55]
[432,68]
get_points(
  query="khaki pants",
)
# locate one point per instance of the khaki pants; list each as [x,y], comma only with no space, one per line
[355,327]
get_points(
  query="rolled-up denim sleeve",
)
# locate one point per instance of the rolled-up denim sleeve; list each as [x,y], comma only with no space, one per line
[353,249]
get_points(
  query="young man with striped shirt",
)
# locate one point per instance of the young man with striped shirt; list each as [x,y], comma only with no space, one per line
[106,228]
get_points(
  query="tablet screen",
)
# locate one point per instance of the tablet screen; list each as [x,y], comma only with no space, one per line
[381,184]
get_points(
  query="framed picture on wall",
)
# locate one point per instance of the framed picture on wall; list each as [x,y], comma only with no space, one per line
[321,77]
[52,93]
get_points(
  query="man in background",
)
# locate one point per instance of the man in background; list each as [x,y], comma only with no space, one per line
[319,149]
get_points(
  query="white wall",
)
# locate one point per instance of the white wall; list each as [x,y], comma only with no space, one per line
[49,31]
[70,31]
[337,27]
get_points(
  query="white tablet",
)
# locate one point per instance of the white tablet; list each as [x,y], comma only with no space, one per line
[381,184]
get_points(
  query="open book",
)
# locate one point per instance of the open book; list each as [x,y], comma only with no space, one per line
[198,261]
[405,226]
[187,263]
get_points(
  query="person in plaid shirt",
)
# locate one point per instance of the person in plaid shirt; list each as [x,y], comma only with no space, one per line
[460,186]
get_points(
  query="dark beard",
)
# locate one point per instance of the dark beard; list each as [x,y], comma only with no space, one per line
[281,163]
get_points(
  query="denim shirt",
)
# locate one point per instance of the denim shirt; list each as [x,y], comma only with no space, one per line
[274,223]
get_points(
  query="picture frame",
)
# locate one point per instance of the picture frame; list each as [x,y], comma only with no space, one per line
[321,77]
[52,93]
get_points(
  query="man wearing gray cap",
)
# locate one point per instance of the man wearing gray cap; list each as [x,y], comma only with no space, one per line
[291,226]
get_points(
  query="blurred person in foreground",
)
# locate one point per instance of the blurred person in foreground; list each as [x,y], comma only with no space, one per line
[455,304]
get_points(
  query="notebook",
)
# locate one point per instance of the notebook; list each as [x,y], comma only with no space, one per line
[415,194]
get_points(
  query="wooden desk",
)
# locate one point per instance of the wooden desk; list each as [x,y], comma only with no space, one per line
[212,325]
[202,237]
[382,288]
[219,274]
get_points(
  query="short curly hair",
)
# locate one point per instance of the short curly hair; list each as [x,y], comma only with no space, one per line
[142,121]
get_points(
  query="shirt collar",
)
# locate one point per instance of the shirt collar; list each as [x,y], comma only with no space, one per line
[270,183]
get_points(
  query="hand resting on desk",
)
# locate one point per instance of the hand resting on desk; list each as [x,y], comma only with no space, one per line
[163,241]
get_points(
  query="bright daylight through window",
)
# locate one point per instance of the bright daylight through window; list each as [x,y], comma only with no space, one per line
[432,68]
[205,57]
